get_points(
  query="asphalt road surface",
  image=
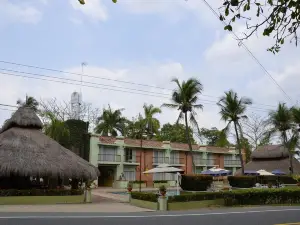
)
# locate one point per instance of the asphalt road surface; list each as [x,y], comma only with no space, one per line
[244,216]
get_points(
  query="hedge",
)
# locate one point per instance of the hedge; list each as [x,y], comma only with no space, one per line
[137,182]
[262,197]
[145,196]
[186,197]
[39,192]
[196,182]
[250,181]
[160,181]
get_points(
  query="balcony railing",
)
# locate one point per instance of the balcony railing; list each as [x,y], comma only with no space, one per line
[200,161]
[109,158]
[160,160]
[234,162]
[176,160]
[132,159]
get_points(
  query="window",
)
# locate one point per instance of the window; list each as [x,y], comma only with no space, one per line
[130,175]
[210,159]
[174,157]
[158,157]
[228,160]
[108,154]
[128,155]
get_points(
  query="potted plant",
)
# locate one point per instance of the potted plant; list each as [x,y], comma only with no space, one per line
[163,190]
[129,187]
[88,192]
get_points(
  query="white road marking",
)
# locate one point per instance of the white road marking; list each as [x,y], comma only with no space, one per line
[143,216]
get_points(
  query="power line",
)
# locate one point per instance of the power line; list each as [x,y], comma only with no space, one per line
[97,77]
[202,101]
[99,84]
[249,52]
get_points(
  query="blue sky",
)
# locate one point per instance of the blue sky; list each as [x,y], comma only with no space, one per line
[142,41]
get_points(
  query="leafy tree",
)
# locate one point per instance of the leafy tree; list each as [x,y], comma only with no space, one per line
[247,147]
[135,128]
[278,18]
[214,137]
[151,124]
[57,130]
[232,109]
[281,121]
[29,102]
[174,133]
[185,99]
[111,122]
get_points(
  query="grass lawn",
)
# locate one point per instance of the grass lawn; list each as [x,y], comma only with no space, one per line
[41,200]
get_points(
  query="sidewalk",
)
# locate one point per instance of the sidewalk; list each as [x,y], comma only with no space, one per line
[70,208]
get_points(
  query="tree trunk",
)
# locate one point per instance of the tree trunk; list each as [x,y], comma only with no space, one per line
[290,152]
[189,141]
[239,148]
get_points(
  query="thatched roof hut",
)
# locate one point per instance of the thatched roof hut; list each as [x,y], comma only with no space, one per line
[270,158]
[26,151]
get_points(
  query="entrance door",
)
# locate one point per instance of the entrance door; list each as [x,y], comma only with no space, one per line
[107,175]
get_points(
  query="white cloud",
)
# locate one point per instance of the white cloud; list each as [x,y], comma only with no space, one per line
[19,12]
[93,9]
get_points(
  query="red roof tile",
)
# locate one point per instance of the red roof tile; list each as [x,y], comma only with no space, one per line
[183,146]
[107,140]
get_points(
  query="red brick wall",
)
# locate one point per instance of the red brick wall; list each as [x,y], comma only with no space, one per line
[146,164]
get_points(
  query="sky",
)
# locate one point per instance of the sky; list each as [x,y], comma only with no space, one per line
[137,46]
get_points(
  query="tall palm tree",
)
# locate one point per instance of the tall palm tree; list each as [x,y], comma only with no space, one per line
[281,121]
[184,99]
[57,129]
[152,124]
[29,102]
[232,109]
[111,122]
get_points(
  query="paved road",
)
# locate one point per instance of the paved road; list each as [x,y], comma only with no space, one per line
[245,216]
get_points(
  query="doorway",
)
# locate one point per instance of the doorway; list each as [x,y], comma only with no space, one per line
[107,176]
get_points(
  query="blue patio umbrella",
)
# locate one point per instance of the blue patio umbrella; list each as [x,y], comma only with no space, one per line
[251,172]
[278,172]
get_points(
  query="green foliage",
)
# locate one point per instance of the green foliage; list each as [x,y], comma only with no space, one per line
[279,19]
[262,196]
[174,133]
[160,181]
[242,181]
[196,182]
[111,122]
[232,109]
[162,188]
[137,182]
[214,137]
[30,102]
[57,130]
[247,147]
[201,196]
[152,124]
[39,192]
[135,128]
[144,196]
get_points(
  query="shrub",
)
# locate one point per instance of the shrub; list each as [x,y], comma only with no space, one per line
[145,196]
[137,182]
[262,197]
[242,181]
[285,179]
[160,181]
[196,182]
[39,192]
[186,197]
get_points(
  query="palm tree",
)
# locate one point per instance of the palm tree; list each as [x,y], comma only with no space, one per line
[184,99]
[152,124]
[111,122]
[57,129]
[29,102]
[281,121]
[232,110]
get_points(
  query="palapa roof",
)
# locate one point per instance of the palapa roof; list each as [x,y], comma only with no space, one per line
[26,151]
[269,158]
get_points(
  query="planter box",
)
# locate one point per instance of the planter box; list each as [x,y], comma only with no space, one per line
[172,183]
[120,184]
[157,185]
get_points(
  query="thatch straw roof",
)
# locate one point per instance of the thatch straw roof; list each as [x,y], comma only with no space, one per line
[270,152]
[269,158]
[271,165]
[26,151]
